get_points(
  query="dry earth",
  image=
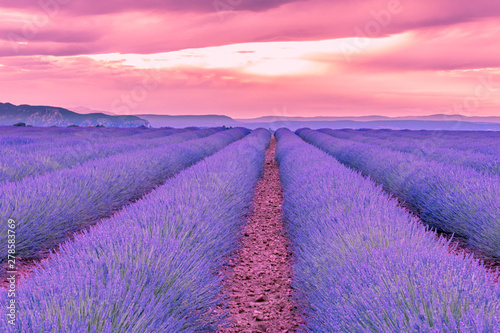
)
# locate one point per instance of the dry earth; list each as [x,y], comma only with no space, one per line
[259,285]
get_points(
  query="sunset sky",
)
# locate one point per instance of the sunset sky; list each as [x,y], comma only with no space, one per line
[247,58]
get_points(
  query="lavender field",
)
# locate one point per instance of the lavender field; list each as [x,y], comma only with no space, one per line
[141,230]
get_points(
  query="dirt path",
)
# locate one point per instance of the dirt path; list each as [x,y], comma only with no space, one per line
[259,287]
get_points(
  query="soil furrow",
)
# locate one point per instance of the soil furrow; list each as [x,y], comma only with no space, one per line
[260,294]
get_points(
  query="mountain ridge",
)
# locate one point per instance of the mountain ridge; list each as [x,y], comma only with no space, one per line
[435,117]
[40,115]
[436,122]
[57,116]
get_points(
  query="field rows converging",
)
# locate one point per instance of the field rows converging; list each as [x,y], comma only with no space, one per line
[55,154]
[365,265]
[236,230]
[48,140]
[51,207]
[425,141]
[480,157]
[450,198]
[152,268]
[20,137]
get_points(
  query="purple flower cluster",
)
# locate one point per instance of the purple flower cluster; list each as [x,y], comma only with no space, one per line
[37,134]
[53,152]
[153,267]
[51,207]
[477,150]
[465,141]
[448,197]
[362,263]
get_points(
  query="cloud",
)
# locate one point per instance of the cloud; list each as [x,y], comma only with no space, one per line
[456,47]
[419,56]
[160,26]
[196,82]
[97,7]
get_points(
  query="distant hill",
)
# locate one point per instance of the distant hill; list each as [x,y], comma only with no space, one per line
[436,122]
[267,119]
[456,117]
[379,124]
[436,117]
[86,110]
[49,116]
[55,116]
[187,121]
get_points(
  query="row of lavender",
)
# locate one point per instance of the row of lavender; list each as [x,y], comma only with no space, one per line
[45,138]
[33,133]
[469,141]
[472,150]
[21,136]
[51,207]
[153,267]
[365,265]
[448,197]
[52,153]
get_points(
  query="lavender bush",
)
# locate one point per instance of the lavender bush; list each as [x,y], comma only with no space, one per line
[49,208]
[52,154]
[75,132]
[365,265]
[466,141]
[451,198]
[463,151]
[153,267]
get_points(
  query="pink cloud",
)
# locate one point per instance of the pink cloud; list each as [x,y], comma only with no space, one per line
[156,26]
[117,6]
[461,46]
[424,73]
[112,87]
